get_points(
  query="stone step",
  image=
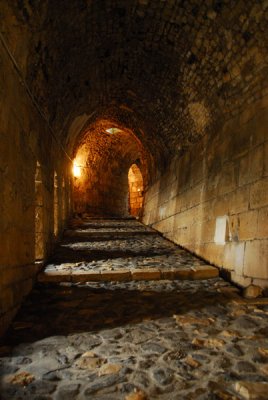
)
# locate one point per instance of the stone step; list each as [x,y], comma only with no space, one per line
[108,234]
[192,273]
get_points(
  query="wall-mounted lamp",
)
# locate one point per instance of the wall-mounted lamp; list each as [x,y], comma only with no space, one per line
[76,171]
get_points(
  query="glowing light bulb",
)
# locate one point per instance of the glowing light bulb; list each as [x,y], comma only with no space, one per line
[76,171]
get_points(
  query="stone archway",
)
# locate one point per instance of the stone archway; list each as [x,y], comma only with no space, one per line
[136,188]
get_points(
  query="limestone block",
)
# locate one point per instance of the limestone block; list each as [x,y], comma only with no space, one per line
[204,232]
[251,166]
[212,252]
[239,200]
[197,171]
[85,276]
[211,187]
[11,275]
[262,229]
[234,257]
[262,283]
[146,274]
[227,180]
[266,159]
[168,274]
[252,390]
[164,226]
[259,194]
[222,204]
[248,223]
[252,291]
[54,276]
[120,275]
[240,280]
[258,126]
[204,272]
[182,274]
[256,259]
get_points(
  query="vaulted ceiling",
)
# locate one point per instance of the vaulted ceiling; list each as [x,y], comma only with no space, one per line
[168,70]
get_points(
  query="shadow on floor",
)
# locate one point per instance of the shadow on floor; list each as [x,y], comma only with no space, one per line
[65,254]
[57,310]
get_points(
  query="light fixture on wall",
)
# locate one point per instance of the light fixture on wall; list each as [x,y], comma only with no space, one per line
[76,170]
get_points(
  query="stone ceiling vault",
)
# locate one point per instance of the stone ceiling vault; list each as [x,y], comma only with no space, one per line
[170,71]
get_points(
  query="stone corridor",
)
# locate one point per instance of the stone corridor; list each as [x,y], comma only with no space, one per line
[121,313]
[154,109]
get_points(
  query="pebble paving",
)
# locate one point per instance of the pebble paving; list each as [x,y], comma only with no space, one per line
[137,340]
[97,249]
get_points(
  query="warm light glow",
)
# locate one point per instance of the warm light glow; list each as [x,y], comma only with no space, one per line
[113,130]
[76,171]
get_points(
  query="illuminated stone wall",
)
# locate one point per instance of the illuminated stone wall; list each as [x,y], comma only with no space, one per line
[213,200]
[26,197]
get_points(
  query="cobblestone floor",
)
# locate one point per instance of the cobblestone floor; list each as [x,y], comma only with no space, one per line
[137,340]
[120,250]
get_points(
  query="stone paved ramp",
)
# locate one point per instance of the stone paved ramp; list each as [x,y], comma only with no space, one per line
[120,250]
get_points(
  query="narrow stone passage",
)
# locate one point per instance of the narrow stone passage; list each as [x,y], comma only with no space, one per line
[138,339]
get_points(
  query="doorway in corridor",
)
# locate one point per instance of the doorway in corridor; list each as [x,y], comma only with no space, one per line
[56,205]
[135,184]
[39,214]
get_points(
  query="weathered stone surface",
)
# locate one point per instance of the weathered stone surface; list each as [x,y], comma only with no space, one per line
[138,395]
[108,369]
[89,361]
[179,91]
[252,390]
[68,391]
[22,378]
[113,337]
[192,362]
[252,291]
[182,320]
[146,274]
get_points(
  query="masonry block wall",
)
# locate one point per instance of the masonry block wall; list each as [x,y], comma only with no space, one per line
[213,200]
[24,142]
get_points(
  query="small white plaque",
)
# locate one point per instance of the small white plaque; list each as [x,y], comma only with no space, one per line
[221,231]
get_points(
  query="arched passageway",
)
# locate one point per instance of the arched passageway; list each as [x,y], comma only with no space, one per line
[136,191]
[181,86]
[104,154]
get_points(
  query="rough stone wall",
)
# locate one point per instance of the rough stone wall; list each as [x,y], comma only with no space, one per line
[24,141]
[214,199]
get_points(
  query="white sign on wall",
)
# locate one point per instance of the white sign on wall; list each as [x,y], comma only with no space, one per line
[222,230]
